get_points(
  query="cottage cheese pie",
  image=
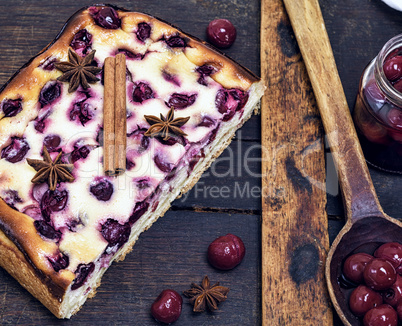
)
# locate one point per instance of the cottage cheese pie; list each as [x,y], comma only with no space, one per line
[63,220]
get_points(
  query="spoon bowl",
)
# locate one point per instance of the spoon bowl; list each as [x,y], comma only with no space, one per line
[366,223]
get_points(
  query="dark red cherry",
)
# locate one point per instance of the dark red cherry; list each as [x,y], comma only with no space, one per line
[11,108]
[383,315]
[391,251]
[79,153]
[53,201]
[16,151]
[204,71]
[115,233]
[226,252]
[59,262]
[362,299]
[143,32]
[221,33]
[142,92]
[393,68]
[52,142]
[106,17]
[162,165]
[82,272]
[139,210]
[82,41]
[230,101]
[181,101]
[379,274]
[102,189]
[81,111]
[398,85]
[395,117]
[354,265]
[49,93]
[399,309]
[167,306]
[46,230]
[394,293]
[176,41]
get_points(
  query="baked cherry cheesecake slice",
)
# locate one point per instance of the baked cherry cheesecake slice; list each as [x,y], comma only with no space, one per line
[64,218]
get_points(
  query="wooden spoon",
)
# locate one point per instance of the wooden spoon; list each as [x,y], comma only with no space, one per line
[366,221]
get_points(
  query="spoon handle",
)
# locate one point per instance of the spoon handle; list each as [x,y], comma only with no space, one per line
[359,195]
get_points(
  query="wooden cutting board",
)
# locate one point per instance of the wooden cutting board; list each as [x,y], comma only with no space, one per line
[294,220]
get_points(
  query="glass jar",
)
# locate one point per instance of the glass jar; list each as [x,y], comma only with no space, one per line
[378,109]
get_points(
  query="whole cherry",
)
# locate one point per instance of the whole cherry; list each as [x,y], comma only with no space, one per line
[363,299]
[221,33]
[383,315]
[391,251]
[226,252]
[379,274]
[354,266]
[394,294]
[167,306]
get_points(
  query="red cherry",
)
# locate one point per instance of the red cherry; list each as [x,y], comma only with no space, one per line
[354,266]
[226,252]
[383,315]
[391,251]
[167,306]
[395,118]
[379,274]
[221,33]
[393,68]
[363,299]
[399,309]
[393,295]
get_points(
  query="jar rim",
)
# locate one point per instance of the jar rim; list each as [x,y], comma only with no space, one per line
[383,83]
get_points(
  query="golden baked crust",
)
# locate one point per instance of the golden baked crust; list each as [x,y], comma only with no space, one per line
[23,252]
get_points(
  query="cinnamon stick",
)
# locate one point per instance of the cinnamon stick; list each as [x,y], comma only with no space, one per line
[120,115]
[109,116]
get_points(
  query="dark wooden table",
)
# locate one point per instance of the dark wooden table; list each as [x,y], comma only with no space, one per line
[172,254]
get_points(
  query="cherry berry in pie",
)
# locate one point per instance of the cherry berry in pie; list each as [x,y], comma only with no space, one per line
[71,202]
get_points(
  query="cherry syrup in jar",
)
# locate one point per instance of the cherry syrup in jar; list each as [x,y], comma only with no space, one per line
[378,109]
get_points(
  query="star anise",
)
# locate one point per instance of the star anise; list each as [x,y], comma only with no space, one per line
[206,295]
[165,127]
[51,171]
[78,70]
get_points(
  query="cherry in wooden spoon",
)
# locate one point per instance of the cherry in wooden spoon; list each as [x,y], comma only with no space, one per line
[366,221]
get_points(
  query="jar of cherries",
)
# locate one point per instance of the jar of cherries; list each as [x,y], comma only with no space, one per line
[378,110]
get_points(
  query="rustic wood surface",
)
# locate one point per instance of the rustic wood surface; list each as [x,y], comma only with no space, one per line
[294,221]
[172,252]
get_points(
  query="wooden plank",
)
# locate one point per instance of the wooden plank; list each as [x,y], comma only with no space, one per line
[294,221]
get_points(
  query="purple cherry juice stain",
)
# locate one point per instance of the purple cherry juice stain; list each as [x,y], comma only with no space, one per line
[171,78]
[82,273]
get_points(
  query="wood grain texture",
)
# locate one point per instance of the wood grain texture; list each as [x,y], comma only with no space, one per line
[294,226]
[358,191]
